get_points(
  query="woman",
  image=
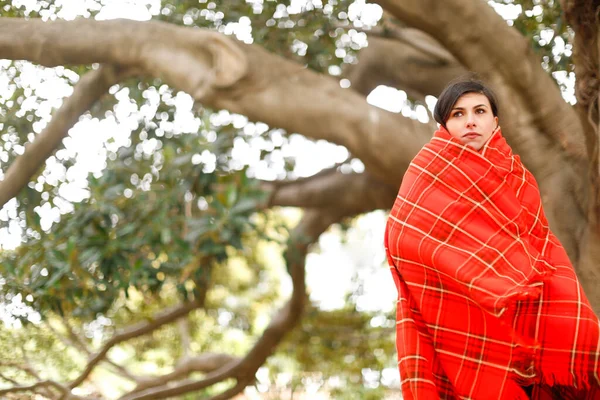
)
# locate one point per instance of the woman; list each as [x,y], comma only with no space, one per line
[489,306]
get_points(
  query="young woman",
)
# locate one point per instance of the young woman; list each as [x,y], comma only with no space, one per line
[489,306]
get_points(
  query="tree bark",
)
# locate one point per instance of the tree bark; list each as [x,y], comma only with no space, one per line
[225,74]
[409,64]
[358,193]
[583,18]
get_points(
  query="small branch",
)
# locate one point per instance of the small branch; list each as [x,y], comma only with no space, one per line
[7,379]
[40,385]
[323,172]
[80,342]
[67,341]
[270,185]
[25,368]
[135,331]
[228,394]
[205,363]
[86,92]
[75,341]
[184,332]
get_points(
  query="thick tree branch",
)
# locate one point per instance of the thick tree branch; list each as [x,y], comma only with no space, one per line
[223,73]
[352,192]
[404,65]
[583,17]
[85,93]
[482,41]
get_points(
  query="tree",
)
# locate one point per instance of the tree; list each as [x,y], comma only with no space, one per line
[417,46]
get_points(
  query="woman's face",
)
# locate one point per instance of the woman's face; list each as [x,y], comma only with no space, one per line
[471,120]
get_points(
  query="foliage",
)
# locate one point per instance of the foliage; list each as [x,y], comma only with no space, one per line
[544,23]
[153,215]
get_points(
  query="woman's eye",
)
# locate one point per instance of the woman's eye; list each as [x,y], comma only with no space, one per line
[457,114]
[480,111]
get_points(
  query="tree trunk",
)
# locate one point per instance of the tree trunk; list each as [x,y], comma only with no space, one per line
[582,16]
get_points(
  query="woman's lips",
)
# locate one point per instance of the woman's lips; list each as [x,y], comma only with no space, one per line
[471,135]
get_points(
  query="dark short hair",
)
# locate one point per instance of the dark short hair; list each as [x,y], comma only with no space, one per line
[454,91]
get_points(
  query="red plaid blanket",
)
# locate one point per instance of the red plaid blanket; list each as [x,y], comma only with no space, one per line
[488,301]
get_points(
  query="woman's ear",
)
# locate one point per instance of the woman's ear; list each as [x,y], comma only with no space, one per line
[497,122]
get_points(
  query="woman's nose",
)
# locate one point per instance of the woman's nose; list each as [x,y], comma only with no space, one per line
[470,121]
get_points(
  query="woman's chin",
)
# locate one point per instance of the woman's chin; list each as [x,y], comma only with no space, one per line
[475,145]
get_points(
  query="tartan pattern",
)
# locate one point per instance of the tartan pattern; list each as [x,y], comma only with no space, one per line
[488,300]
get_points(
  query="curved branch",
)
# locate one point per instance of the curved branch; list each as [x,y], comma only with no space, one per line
[40,385]
[135,331]
[225,74]
[404,65]
[205,363]
[85,93]
[75,341]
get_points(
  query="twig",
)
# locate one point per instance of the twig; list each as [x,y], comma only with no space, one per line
[206,363]
[78,343]
[65,340]
[39,385]
[135,331]
[25,368]
[389,30]
[184,331]
[7,379]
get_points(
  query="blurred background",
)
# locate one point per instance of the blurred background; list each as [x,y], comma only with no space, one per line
[156,201]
